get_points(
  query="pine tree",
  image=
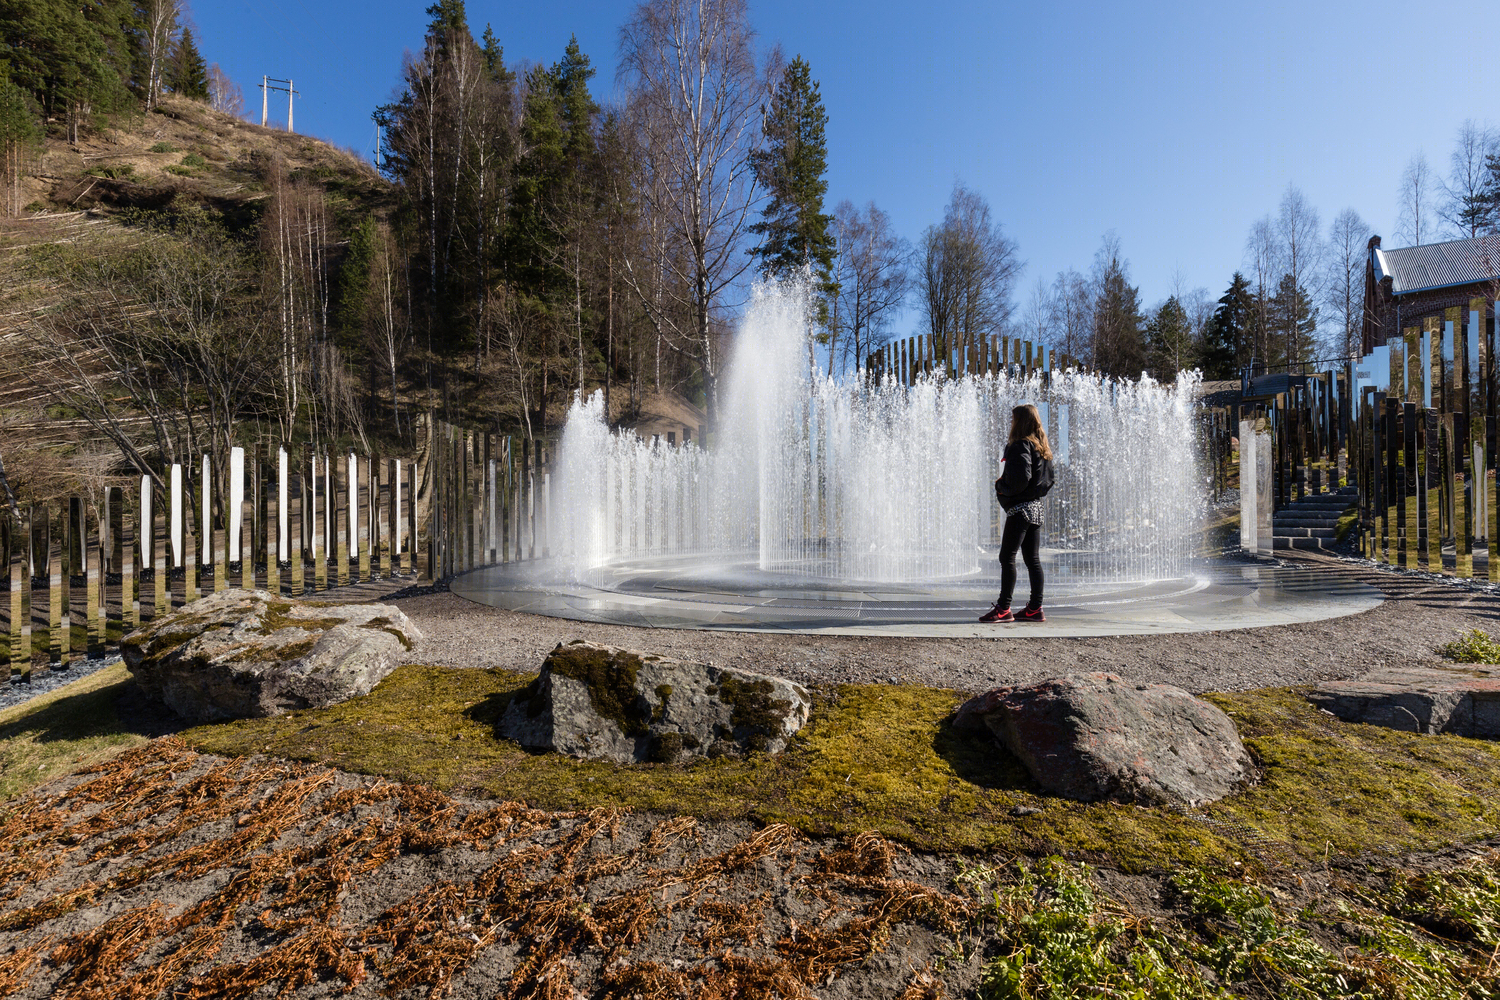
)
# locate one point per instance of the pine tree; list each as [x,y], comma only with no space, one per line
[188,75]
[795,232]
[1227,341]
[1296,318]
[1119,349]
[1169,341]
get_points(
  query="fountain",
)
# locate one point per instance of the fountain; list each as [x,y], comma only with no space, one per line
[864,503]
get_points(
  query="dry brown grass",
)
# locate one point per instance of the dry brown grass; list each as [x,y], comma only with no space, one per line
[291,846]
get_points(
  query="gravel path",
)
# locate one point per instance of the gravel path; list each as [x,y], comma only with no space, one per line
[44,681]
[1419,615]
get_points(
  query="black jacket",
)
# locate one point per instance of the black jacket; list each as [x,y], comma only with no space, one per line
[1027,476]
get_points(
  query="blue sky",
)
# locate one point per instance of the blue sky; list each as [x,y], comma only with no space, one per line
[1175,125]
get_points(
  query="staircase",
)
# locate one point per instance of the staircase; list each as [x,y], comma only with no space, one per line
[1310,523]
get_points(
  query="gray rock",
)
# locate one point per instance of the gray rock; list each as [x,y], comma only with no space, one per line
[1464,701]
[599,701]
[1097,736]
[247,653]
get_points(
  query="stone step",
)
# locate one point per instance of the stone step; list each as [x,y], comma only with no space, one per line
[1337,503]
[1281,531]
[1278,542]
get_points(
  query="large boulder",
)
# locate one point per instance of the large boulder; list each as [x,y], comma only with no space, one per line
[603,702]
[247,653]
[1098,736]
[1464,701]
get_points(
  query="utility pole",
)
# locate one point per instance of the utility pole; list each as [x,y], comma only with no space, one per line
[375,117]
[267,84]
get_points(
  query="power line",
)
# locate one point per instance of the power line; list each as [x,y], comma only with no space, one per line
[265,94]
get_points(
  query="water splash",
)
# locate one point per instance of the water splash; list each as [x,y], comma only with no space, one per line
[866,480]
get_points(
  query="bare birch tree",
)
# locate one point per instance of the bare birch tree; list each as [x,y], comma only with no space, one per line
[159,27]
[1467,206]
[1413,202]
[873,274]
[223,93]
[1039,315]
[691,73]
[1300,253]
[1072,317]
[1263,266]
[1348,244]
[969,266]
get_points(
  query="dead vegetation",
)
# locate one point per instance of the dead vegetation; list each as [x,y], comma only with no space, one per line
[203,877]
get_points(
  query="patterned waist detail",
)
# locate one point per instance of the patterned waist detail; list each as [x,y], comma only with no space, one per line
[1029,512]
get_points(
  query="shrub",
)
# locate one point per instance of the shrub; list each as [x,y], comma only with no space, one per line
[163,147]
[120,171]
[193,160]
[1474,647]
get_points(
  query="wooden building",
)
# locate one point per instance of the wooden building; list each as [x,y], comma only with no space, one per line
[1404,286]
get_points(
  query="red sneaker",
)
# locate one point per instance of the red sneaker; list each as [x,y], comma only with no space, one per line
[997,614]
[1031,615]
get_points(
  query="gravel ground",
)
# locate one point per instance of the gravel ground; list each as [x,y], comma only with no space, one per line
[1420,615]
[44,681]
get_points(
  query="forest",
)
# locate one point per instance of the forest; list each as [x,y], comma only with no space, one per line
[519,239]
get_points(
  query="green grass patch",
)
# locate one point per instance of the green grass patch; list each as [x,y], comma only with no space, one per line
[72,727]
[1056,935]
[163,147]
[1346,522]
[1474,646]
[882,758]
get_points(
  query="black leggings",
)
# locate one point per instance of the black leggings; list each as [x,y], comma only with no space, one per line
[1020,534]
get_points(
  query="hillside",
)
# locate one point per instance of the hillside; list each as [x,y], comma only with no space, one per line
[133,199]
[93,208]
[186,153]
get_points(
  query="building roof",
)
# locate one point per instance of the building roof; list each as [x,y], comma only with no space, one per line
[1439,265]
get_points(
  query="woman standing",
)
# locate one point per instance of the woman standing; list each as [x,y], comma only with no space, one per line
[1024,480]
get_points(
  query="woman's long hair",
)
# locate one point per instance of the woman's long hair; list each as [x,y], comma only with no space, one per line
[1026,425]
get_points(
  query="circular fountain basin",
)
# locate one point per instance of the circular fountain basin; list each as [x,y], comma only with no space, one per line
[701,592]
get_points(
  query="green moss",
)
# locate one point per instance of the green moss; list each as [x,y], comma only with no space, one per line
[666,747]
[663,695]
[753,707]
[883,758]
[610,681]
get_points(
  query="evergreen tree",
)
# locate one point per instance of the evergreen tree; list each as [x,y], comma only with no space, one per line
[1296,317]
[552,179]
[795,232]
[1169,341]
[1227,341]
[188,74]
[1118,346]
[18,130]
[74,60]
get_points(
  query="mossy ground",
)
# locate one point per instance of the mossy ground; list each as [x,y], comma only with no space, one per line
[882,758]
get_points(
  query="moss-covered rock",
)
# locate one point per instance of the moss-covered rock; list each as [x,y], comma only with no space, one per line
[247,653]
[599,701]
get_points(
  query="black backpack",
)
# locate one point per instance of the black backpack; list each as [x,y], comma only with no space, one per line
[1040,485]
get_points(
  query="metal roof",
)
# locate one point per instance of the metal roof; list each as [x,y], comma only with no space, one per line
[1439,265]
